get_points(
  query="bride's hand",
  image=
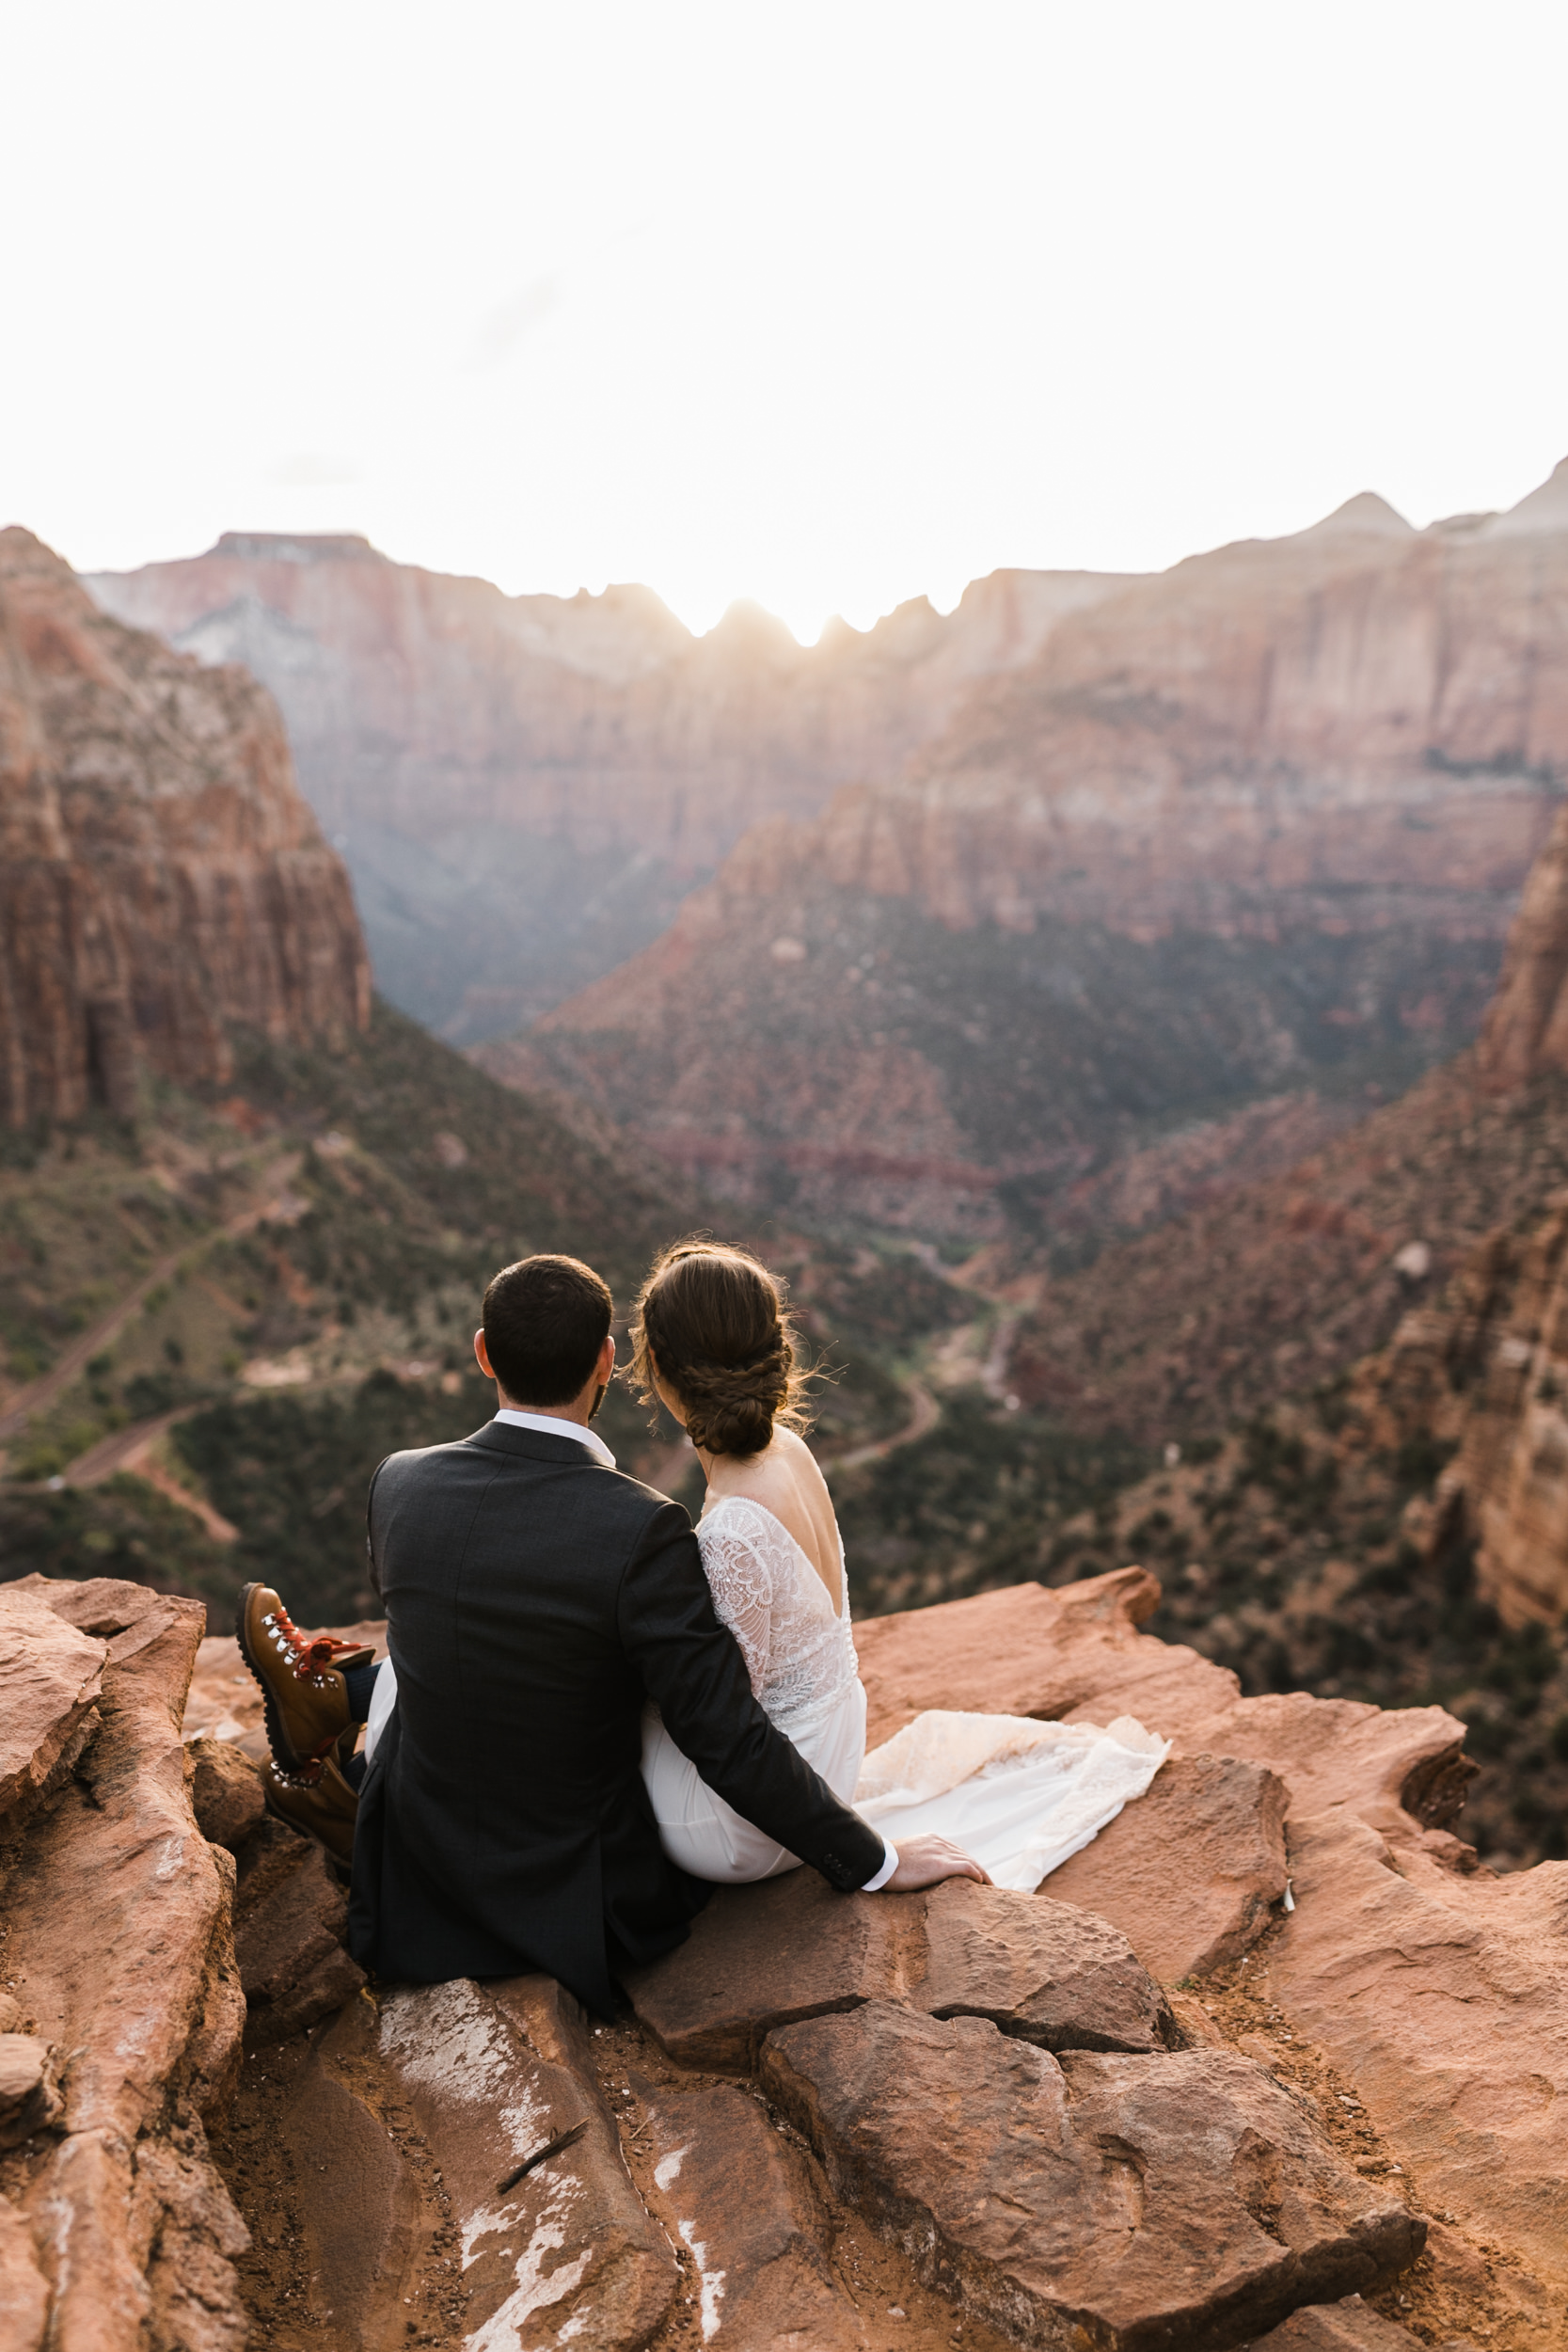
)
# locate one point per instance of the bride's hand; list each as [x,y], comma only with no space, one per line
[927,1861]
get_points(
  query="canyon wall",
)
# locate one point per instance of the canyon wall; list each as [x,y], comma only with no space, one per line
[1334,728]
[162,878]
[1484,1371]
[1525,1031]
[1257,822]
[524,787]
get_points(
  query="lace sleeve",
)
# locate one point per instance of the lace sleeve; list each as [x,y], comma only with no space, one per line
[742,1589]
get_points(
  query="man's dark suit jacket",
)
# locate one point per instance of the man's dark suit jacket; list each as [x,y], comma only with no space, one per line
[534,1597]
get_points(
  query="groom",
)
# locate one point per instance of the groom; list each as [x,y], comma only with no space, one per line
[535,1597]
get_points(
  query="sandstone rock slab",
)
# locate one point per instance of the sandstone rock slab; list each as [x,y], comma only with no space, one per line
[1442,1998]
[1169,2201]
[371,2219]
[762,1956]
[93,2254]
[119,1973]
[196,2235]
[1347,2326]
[225,1791]
[1027,1650]
[492,2089]
[290,1919]
[741,2200]
[121,1950]
[49,1678]
[1191,1871]
[1043,1970]
[24,2290]
[28,2099]
[107,1606]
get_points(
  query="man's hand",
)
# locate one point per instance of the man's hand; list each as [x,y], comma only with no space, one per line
[927,1861]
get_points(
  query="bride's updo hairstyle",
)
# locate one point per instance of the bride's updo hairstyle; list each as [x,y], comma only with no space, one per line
[712,1322]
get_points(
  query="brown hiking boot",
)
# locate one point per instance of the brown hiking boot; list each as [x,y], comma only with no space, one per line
[303,1694]
[324,1807]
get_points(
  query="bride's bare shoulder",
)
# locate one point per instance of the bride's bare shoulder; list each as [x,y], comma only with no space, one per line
[789,1446]
[788,1468]
[781,1479]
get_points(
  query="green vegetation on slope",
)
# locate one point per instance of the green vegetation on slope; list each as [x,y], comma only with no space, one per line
[1050,1052]
[981,1502]
[304,1261]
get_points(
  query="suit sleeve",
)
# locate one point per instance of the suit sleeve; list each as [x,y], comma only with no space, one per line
[372,1561]
[694,1673]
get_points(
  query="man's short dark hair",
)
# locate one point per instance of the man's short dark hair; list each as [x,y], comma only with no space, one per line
[546,1320]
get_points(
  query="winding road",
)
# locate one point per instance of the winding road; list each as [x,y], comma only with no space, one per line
[927,1412]
[46,1390]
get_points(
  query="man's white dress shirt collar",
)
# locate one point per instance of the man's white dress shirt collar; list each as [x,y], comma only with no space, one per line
[549,1426]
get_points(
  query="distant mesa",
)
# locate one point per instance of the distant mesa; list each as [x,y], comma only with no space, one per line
[277,547]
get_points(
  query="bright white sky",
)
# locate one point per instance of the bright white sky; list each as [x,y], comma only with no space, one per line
[827,304]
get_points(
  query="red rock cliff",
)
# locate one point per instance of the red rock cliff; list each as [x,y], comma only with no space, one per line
[1527,1026]
[161,878]
[1340,727]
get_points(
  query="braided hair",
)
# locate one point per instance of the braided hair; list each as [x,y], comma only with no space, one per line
[711,1321]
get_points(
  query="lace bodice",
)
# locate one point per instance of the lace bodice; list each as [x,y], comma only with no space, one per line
[798,1648]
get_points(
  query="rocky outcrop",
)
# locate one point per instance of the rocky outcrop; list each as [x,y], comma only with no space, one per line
[494,2088]
[1525,1030]
[1432,1988]
[1182,2200]
[50,1681]
[757,1961]
[1195,1868]
[524,785]
[830,2117]
[116,2230]
[1481,1373]
[162,879]
[1278,2015]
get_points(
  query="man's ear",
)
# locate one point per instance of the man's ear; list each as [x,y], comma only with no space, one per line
[482,1354]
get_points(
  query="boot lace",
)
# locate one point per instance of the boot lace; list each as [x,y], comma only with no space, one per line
[308,1653]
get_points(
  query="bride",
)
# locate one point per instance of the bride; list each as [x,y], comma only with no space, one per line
[712,1341]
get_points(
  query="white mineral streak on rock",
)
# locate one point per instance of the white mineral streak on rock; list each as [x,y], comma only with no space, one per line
[447,2039]
[503,2331]
[170,1861]
[668,2168]
[488,2219]
[713,2281]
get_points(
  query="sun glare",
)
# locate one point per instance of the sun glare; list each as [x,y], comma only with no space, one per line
[825,308]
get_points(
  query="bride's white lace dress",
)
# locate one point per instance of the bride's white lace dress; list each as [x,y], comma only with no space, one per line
[1018,1795]
[800,1656]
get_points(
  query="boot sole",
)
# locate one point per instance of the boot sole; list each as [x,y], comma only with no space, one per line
[283,1748]
[338,1869]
